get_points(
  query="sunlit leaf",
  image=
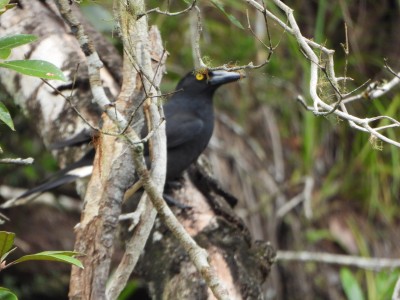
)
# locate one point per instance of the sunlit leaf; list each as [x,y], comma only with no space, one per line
[5,116]
[6,242]
[6,294]
[37,68]
[60,256]
[12,41]
[229,16]
[4,6]
[3,3]
[350,285]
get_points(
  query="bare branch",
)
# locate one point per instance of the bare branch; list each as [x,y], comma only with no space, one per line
[17,161]
[320,107]
[343,260]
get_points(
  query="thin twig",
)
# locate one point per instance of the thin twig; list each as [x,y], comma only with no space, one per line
[167,13]
[390,69]
[68,99]
[196,39]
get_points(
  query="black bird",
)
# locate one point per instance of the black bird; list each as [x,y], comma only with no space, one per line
[189,116]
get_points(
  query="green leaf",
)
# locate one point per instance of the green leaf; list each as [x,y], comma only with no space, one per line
[229,16]
[129,290]
[350,285]
[3,3]
[6,294]
[5,116]
[4,6]
[61,256]
[37,68]
[9,42]
[385,283]
[6,242]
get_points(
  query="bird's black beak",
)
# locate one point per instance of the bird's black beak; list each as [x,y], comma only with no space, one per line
[222,77]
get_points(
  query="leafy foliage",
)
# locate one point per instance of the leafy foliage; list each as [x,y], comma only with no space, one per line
[6,294]
[7,43]
[36,68]
[7,242]
[5,116]
[6,247]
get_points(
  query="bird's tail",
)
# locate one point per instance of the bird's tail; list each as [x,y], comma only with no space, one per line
[46,186]
[80,169]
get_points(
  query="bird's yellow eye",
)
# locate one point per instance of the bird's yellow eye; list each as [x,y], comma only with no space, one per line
[199,76]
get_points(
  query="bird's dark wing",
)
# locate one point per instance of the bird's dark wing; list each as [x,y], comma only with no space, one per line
[83,137]
[181,128]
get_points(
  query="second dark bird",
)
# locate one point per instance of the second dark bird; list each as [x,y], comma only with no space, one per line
[189,118]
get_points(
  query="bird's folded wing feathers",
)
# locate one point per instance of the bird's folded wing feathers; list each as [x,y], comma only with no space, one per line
[83,137]
[182,128]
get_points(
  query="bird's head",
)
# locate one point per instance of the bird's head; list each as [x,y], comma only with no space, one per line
[206,81]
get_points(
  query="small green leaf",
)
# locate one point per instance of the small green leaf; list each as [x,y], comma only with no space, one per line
[6,117]
[12,41]
[229,16]
[4,6]
[61,256]
[350,285]
[6,294]
[37,68]
[3,3]
[6,242]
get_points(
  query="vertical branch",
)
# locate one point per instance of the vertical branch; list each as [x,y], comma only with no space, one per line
[139,43]
[112,173]
[103,199]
